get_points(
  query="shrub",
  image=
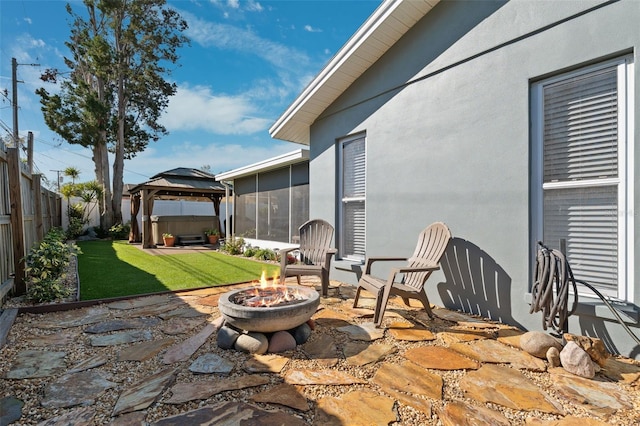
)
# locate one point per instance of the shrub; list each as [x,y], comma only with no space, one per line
[265,254]
[76,221]
[249,251]
[120,231]
[46,264]
[233,246]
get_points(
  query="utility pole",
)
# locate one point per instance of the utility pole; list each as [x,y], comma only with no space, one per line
[58,179]
[14,98]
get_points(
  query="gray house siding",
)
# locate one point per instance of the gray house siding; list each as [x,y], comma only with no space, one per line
[447,117]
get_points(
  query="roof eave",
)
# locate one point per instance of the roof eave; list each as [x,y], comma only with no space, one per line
[294,124]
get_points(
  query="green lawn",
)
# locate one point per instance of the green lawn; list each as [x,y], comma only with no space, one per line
[117,268]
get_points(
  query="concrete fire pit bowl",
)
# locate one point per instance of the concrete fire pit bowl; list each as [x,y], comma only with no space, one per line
[268,319]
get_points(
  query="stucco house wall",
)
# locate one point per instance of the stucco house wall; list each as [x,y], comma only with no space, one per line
[455,146]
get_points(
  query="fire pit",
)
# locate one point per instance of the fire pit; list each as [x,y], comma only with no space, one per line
[268,309]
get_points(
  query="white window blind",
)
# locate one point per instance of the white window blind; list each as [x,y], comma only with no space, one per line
[353,165]
[580,172]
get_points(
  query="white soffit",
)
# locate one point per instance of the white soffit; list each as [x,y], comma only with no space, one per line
[283,160]
[388,23]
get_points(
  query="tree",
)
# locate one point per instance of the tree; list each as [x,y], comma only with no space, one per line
[116,89]
[72,172]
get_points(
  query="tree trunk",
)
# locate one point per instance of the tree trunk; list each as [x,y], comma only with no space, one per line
[118,162]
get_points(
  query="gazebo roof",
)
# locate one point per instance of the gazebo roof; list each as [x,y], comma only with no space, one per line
[182,182]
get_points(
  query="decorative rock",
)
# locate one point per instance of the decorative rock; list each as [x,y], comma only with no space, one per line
[553,357]
[227,337]
[182,326]
[57,339]
[591,345]
[281,341]
[253,343]
[538,343]
[577,361]
[301,333]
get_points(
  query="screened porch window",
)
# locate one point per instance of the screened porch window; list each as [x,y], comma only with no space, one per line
[352,195]
[581,136]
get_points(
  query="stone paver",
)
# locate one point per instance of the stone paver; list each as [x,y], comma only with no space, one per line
[410,378]
[183,351]
[359,354]
[231,413]
[484,358]
[440,358]
[492,351]
[144,393]
[508,387]
[183,392]
[32,364]
[358,408]
[284,394]
[75,389]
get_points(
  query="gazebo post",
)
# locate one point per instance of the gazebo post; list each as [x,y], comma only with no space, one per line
[147,210]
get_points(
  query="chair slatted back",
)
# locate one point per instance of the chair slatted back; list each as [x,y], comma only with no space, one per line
[315,241]
[432,242]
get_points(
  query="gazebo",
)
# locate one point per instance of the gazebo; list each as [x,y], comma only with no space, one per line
[170,185]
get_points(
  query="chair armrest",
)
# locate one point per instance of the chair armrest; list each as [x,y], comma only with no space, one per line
[369,261]
[405,270]
[283,256]
[327,258]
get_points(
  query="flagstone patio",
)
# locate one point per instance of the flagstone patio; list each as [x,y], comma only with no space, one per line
[154,360]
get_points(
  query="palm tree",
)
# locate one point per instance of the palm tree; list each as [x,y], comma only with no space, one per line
[72,172]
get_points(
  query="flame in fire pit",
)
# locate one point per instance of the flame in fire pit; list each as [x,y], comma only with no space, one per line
[267,294]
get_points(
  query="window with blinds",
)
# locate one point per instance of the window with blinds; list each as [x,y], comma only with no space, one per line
[353,186]
[582,125]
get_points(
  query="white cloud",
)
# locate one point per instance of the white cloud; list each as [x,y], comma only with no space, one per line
[221,156]
[310,29]
[225,36]
[197,108]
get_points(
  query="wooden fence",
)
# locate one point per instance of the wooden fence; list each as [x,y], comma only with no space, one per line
[26,210]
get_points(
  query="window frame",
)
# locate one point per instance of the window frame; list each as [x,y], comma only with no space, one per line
[624,180]
[343,200]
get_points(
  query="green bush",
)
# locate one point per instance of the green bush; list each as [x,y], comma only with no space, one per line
[265,254]
[45,269]
[76,221]
[249,252]
[120,231]
[233,246]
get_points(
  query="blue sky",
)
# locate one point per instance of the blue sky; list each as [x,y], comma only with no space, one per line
[247,62]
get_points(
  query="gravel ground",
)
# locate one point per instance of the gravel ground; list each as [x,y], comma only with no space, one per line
[127,373]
